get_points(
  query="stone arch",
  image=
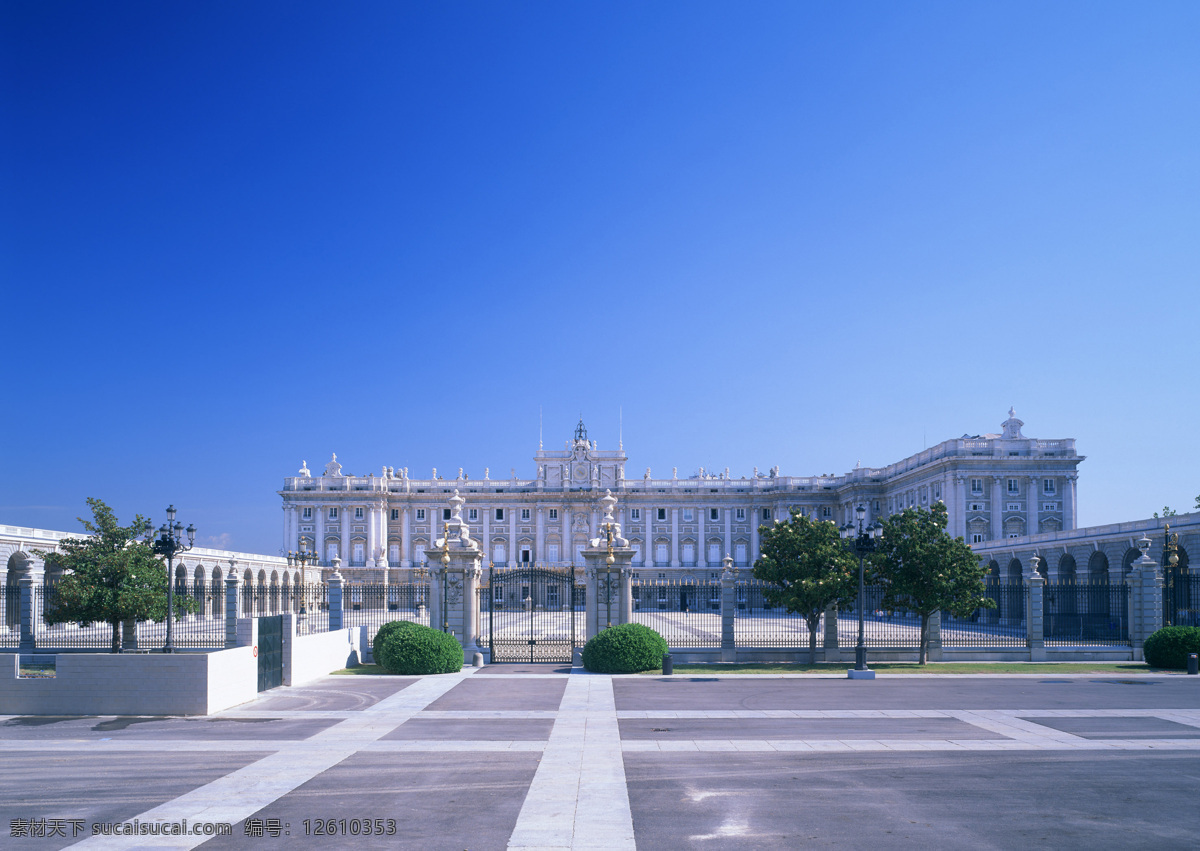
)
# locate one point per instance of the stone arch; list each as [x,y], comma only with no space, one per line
[201,598]
[1131,555]
[248,592]
[993,571]
[1066,569]
[181,576]
[1016,574]
[1098,568]
[217,578]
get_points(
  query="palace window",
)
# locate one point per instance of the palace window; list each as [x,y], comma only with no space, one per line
[1013,506]
[445,513]
[739,514]
[499,513]
[1049,506]
[420,513]
[826,511]
[688,515]
[524,513]
[308,513]
[635,514]
[358,514]
[976,486]
[976,538]
[395,513]
[766,514]
[333,514]
[1013,486]
[553,513]
[662,514]
[1047,485]
[714,514]
[977,506]
[472,514]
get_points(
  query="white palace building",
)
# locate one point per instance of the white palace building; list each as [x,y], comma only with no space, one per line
[996,486]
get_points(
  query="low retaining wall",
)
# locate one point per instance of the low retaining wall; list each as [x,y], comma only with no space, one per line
[133,684]
[314,656]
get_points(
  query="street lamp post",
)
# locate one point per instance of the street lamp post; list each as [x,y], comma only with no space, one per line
[170,543]
[862,542]
[302,558]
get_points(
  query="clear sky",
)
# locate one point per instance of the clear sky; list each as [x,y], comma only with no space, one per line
[235,236]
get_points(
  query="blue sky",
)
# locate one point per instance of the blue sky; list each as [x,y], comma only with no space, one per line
[234,236]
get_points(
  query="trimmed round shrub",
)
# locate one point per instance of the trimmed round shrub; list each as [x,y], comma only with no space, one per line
[410,648]
[386,630]
[1170,646]
[624,649]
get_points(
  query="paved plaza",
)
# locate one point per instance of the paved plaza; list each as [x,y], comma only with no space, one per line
[544,757]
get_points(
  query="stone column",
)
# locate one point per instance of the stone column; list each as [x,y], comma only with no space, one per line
[406,538]
[701,538]
[935,638]
[1034,630]
[539,540]
[372,535]
[344,545]
[456,566]
[231,604]
[1032,522]
[752,556]
[997,510]
[1069,502]
[960,502]
[675,537]
[728,611]
[319,534]
[485,545]
[30,616]
[1145,599]
[334,584]
[513,555]
[830,643]
[129,636]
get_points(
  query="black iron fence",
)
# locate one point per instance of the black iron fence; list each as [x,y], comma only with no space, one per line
[1181,598]
[1000,626]
[373,605]
[685,613]
[759,623]
[1075,615]
[10,611]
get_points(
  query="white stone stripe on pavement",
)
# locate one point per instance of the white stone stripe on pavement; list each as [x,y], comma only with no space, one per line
[578,798]
[878,745]
[241,793]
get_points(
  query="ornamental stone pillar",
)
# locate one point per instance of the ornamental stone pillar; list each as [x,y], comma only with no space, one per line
[728,611]
[334,584]
[1145,599]
[231,604]
[456,564]
[29,614]
[1034,629]
[830,643]
[609,585]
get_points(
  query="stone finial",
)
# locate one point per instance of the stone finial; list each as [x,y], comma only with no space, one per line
[647,473]
[1144,546]
[727,562]
[487,472]
[1012,427]
[674,472]
[460,475]
[1034,563]
[304,472]
[456,504]
[607,503]
[333,468]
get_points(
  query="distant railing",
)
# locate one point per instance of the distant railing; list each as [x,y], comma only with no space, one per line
[685,613]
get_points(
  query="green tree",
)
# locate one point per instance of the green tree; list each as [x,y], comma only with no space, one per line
[1168,511]
[809,568]
[108,577]
[924,570]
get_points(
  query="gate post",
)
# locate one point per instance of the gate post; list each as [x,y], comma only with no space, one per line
[456,564]
[1145,599]
[830,642]
[29,614]
[728,611]
[1034,614]
[609,584]
[231,604]
[334,584]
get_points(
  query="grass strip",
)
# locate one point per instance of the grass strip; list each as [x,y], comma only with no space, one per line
[840,668]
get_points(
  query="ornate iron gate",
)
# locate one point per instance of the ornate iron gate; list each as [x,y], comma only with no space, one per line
[531,614]
[270,652]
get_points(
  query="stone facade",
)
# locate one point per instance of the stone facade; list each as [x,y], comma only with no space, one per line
[995,486]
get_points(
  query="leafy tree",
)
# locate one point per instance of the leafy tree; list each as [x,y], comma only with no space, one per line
[924,570]
[1168,511]
[810,569]
[1198,503]
[109,577]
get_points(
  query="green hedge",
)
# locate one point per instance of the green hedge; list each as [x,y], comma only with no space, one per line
[624,649]
[1170,646]
[404,647]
